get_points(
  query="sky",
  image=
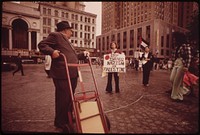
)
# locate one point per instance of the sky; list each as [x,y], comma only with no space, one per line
[95,8]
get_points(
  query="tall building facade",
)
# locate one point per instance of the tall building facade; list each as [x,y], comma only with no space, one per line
[126,22]
[25,24]
[185,10]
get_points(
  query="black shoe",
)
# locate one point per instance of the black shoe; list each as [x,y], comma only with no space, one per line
[65,128]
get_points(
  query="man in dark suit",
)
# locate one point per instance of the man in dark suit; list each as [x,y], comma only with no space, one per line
[18,62]
[56,43]
[147,61]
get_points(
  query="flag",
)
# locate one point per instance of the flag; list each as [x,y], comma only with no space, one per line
[143,43]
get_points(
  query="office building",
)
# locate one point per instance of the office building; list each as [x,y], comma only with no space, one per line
[126,22]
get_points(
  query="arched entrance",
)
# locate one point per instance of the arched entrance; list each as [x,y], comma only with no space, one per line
[20,34]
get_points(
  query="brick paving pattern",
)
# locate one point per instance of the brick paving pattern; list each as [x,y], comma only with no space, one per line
[28,103]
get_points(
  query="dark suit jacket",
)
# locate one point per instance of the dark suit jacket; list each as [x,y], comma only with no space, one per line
[149,62]
[57,41]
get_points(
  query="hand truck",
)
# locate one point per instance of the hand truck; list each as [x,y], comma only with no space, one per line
[87,107]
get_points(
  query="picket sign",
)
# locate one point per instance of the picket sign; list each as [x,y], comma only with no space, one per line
[114,63]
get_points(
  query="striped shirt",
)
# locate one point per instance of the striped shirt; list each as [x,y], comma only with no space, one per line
[184,52]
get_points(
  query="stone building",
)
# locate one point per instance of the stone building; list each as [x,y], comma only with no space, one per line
[25,24]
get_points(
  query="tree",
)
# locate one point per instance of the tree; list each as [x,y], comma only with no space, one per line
[193,27]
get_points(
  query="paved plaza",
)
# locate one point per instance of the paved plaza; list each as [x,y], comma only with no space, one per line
[27,103]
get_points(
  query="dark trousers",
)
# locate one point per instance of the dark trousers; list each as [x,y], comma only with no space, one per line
[146,73]
[47,72]
[19,67]
[63,103]
[109,82]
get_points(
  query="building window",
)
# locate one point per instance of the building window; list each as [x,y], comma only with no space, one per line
[92,29]
[4,39]
[103,44]
[167,44]
[76,17]
[81,18]
[131,38]
[124,40]
[139,35]
[63,14]
[162,52]
[81,34]
[46,30]
[167,52]
[108,43]
[118,39]
[56,21]
[49,22]
[44,11]
[44,21]
[76,35]
[99,43]
[162,41]
[56,13]
[148,30]
[113,37]
[81,26]
[76,26]
[81,43]
[49,11]
[66,15]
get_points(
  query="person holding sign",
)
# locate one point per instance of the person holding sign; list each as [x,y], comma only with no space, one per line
[147,59]
[113,51]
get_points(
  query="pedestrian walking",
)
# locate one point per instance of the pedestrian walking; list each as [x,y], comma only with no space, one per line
[147,60]
[18,62]
[136,64]
[47,64]
[56,43]
[182,62]
[113,50]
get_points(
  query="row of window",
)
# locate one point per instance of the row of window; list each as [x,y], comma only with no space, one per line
[87,28]
[84,43]
[103,42]
[47,30]
[48,11]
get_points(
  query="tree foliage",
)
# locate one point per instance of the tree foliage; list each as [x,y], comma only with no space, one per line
[194,27]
